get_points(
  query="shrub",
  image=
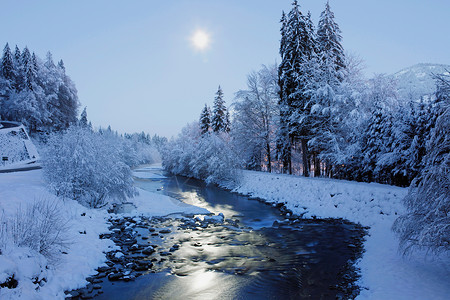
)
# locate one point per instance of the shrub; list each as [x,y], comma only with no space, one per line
[38,226]
[85,166]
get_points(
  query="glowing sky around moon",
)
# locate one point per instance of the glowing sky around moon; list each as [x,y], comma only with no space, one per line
[200,40]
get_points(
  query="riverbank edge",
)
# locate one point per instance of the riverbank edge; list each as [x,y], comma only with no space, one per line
[350,274]
[302,211]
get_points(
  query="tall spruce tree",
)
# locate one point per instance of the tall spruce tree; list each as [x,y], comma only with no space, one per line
[329,41]
[373,143]
[297,45]
[7,64]
[27,69]
[205,120]
[83,118]
[219,121]
[282,140]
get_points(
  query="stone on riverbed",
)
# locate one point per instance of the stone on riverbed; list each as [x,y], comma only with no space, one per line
[148,251]
[115,276]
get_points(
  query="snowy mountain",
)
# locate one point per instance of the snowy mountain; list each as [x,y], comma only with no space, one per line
[417,81]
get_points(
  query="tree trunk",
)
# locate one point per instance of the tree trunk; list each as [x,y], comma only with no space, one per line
[305,157]
[269,160]
[316,165]
[290,154]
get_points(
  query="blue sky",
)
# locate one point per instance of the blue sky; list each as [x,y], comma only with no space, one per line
[136,70]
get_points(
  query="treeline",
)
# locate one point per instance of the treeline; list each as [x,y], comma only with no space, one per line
[36,92]
[315,114]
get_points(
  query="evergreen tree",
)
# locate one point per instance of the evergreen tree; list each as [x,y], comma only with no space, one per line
[27,69]
[83,119]
[416,152]
[329,40]
[61,66]
[373,143]
[40,95]
[18,67]
[282,134]
[7,70]
[227,122]
[218,121]
[17,55]
[205,120]
[297,45]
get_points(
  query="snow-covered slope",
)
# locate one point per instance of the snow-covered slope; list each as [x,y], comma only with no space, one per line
[417,81]
[385,274]
[85,251]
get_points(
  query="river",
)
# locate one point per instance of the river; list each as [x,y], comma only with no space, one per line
[257,255]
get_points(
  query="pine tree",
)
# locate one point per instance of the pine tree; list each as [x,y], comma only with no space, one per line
[28,69]
[416,151]
[17,55]
[83,119]
[297,45]
[373,143]
[18,67]
[329,41]
[227,122]
[7,64]
[205,120]
[61,66]
[282,139]
[218,121]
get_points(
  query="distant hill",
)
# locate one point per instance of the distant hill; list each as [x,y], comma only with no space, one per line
[417,81]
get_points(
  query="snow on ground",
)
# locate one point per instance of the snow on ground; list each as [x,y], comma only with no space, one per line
[151,204]
[85,249]
[385,273]
[147,175]
[84,253]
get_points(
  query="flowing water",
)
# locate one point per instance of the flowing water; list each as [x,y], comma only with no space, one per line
[258,255]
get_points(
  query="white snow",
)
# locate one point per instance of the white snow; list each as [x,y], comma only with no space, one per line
[147,175]
[85,251]
[385,273]
[151,204]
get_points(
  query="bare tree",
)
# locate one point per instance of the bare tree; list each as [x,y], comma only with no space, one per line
[255,116]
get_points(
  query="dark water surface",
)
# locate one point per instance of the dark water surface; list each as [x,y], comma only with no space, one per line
[252,259]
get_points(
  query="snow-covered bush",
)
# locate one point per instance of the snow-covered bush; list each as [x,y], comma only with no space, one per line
[208,157]
[38,226]
[427,223]
[86,166]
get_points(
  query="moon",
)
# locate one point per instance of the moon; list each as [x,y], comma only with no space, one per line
[200,40]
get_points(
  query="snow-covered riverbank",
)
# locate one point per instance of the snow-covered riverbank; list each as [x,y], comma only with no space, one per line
[385,273]
[85,251]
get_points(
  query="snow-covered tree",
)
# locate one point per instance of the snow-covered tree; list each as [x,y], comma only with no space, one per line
[427,222]
[329,42]
[219,120]
[208,157]
[38,94]
[86,166]
[205,119]
[255,117]
[83,118]
[297,45]
[7,67]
